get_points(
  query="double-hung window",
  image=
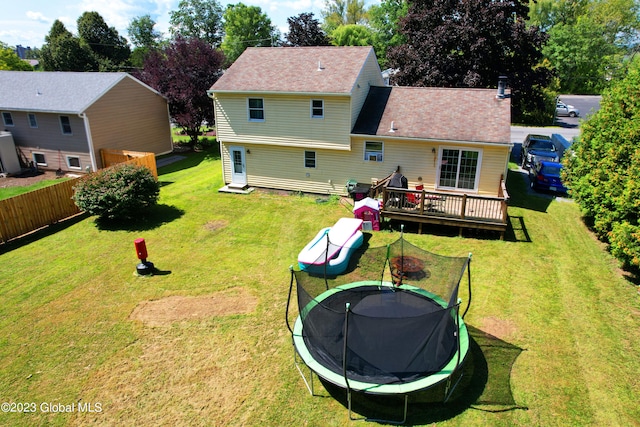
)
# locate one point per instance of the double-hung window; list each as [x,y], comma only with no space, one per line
[65,124]
[317,109]
[373,151]
[256,109]
[310,159]
[459,169]
[33,122]
[7,118]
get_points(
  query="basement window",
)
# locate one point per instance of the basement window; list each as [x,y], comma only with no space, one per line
[74,162]
[39,159]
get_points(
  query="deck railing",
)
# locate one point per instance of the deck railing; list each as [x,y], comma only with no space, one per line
[462,210]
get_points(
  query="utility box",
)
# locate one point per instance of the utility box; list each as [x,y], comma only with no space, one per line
[9,162]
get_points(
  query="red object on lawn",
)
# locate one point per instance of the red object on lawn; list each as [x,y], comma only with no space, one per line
[141,249]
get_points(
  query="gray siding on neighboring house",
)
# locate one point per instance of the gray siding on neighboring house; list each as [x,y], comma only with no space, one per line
[48,135]
[48,140]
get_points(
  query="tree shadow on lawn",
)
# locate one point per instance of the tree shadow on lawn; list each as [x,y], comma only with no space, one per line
[153,218]
[521,196]
[484,386]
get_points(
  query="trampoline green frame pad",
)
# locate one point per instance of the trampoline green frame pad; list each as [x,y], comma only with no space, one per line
[420,383]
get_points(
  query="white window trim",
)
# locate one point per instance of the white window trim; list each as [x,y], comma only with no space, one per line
[315,159]
[35,119]
[313,116]
[4,120]
[77,168]
[62,126]
[369,158]
[33,156]
[249,109]
[476,182]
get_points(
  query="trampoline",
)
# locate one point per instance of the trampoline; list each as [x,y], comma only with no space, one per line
[377,330]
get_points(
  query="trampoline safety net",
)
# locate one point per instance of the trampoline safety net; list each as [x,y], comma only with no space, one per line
[402,321]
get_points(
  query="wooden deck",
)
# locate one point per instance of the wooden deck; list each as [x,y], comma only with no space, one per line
[457,210]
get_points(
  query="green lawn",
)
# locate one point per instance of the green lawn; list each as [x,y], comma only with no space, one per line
[71,334]
[8,192]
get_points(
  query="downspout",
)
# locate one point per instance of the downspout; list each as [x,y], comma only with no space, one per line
[212,95]
[92,154]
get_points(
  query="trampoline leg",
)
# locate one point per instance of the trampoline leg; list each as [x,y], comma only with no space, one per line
[404,417]
[450,389]
[308,384]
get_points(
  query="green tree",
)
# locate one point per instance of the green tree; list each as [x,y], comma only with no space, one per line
[352,35]
[10,61]
[200,19]
[587,39]
[582,56]
[142,33]
[111,50]
[603,170]
[64,52]
[246,26]
[144,37]
[183,71]
[343,12]
[384,21]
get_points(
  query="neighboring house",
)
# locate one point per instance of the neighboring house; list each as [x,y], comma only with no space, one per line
[311,118]
[61,120]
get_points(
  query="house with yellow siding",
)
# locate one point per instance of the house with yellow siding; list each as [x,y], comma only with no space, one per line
[61,120]
[312,119]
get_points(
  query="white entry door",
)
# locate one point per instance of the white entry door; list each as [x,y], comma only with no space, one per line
[238,166]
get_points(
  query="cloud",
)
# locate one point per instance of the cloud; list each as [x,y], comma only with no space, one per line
[37,16]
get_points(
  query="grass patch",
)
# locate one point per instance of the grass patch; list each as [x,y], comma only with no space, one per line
[8,192]
[69,305]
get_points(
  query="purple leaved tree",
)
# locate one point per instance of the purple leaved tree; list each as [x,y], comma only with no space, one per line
[183,71]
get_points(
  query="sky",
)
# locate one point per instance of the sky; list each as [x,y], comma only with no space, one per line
[27,22]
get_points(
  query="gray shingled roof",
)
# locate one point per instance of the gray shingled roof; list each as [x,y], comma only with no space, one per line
[65,92]
[445,114]
[317,69]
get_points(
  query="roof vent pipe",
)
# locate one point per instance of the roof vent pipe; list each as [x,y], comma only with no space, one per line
[502,85]
[320,67]
[393,127]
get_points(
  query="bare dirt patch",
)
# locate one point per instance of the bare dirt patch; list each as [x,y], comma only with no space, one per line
[27,178]
[499,328]
[165,311]
[216,224]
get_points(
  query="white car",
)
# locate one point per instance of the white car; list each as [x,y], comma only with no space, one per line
[563,109]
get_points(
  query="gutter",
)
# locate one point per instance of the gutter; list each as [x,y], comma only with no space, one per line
[92,154]
[436,140]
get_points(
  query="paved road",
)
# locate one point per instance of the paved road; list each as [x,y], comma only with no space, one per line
[565,126]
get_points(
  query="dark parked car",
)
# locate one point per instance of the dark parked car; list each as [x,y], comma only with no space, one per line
[545,175]
[536,148]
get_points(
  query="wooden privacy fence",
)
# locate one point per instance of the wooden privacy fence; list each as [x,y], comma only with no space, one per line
[36,209]
[114,157]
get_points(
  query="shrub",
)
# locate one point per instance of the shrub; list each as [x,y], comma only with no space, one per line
[119,192]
